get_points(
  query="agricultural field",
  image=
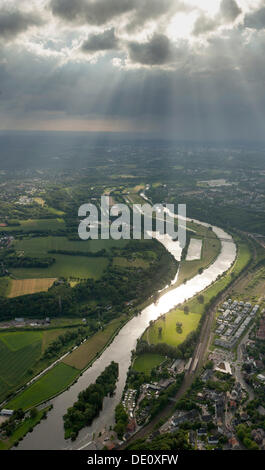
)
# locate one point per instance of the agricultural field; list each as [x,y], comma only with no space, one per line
[81,357]
[50,384]
[35,225]
[147,362]
[164,330]
[80,267]
[20,352]
[29,286]
[42,245]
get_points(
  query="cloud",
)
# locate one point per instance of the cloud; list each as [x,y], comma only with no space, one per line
[255,19]
[96,12]
[229,10]
[14,22]
[204,24]
[157,51]
[105,41]
[228,13]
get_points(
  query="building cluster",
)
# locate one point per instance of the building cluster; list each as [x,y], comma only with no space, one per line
[234,319]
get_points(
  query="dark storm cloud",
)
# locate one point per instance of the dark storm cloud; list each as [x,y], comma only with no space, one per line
[157,51]
[14,22]
[256,19]
[97,12]
[105,41]
[229,10]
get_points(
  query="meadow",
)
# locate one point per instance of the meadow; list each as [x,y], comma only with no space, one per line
[147,362]
[19,352]
[80,267]
[50,384]
[169,334]
[36,225]
[42,245]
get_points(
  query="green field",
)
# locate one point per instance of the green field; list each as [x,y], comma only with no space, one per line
[41,245]
[20,351]
[35,225]
[147,362]
[169,334]
[81,267]
[47,386]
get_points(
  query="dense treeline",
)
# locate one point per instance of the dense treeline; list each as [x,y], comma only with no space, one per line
[90,401]
[88,254]
[76,336]
[121,420]
[173,441]
[28,262]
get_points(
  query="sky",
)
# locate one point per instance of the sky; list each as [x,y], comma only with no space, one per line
[183,69]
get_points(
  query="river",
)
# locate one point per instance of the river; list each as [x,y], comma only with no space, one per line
[49,434]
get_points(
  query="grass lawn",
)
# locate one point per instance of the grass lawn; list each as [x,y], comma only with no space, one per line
[147,362]
[47,386]
[81,357]
[29,286]
[22,430]
[80,267]
[169,334]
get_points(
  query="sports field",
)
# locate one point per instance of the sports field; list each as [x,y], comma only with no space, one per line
[29,286]
[147,362]
[47,386]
